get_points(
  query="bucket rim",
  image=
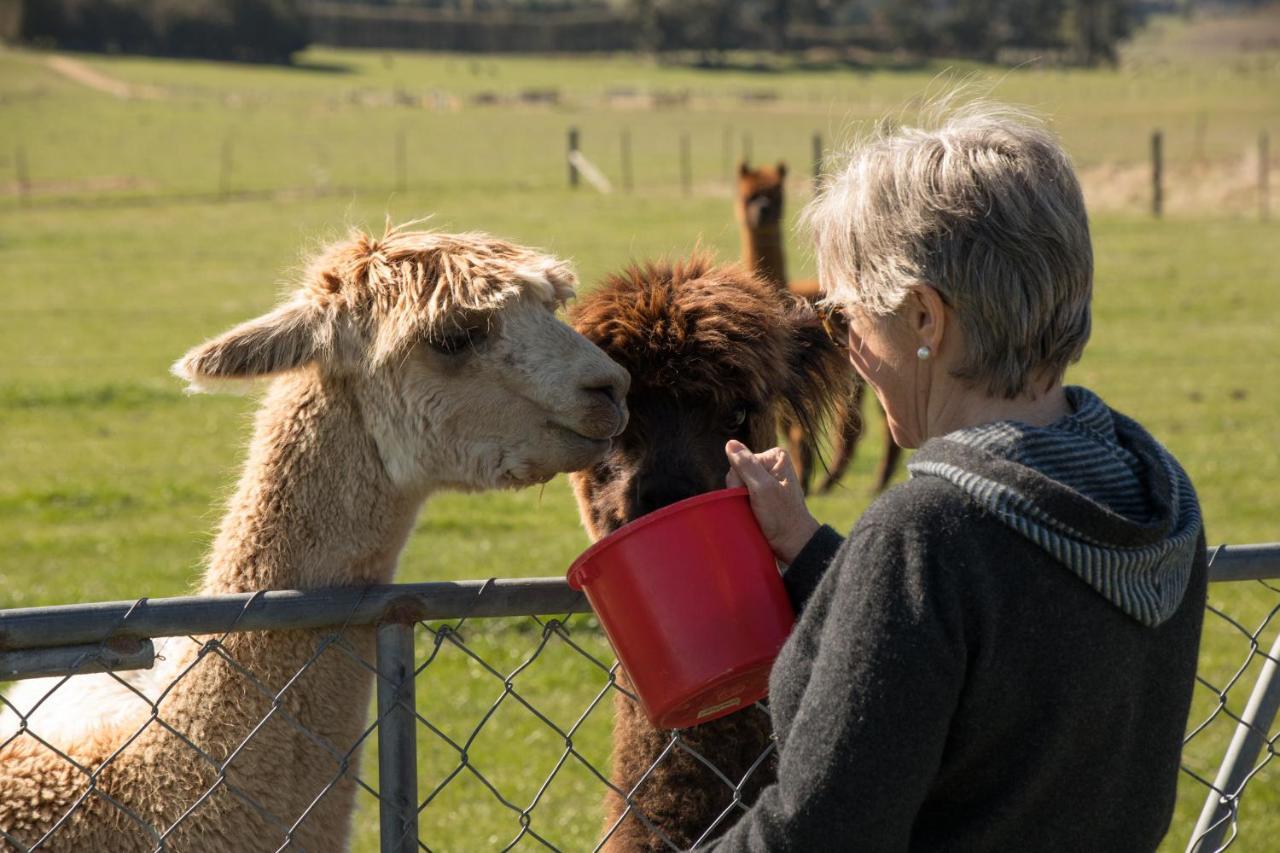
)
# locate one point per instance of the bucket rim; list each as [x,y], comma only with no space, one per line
[578,575]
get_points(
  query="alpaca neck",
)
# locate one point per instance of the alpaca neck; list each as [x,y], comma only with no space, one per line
[314,506]
[762,253]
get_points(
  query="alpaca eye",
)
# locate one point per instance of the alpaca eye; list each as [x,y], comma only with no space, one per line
[738,418]
[458,340]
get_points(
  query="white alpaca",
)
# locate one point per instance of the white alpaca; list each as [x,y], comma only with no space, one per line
[401,366]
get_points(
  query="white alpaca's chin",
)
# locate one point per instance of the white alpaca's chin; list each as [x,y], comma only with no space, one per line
[573,452]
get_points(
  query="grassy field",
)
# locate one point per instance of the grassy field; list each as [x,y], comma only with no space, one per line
[121,254]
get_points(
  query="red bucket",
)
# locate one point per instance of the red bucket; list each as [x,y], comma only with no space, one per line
[692,602]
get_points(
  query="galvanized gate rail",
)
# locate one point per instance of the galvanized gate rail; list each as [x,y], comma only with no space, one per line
[42,641]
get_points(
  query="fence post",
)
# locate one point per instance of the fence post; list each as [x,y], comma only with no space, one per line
[573,146]
[397,740]
[1264,176]
[1220,806]
[1157,173]
[817,159]
[626,159]
[686,164]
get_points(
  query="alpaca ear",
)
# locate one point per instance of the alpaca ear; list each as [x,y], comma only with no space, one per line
[744,168]
[782,169]
[287,338]
[555,277]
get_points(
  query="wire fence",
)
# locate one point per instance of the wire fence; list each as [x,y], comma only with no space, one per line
[237,722]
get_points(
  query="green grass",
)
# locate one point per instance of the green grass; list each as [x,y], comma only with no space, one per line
[111,478]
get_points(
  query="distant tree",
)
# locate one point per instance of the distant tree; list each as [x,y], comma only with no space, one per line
[706,25]
[915,25]
[969,28]
[1035,23]
[1096,28]
[778,18]
[250,30]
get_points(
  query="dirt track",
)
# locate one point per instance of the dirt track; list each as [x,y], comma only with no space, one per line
[77,71]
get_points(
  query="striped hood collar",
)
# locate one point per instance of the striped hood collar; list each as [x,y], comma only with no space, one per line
[1093,489]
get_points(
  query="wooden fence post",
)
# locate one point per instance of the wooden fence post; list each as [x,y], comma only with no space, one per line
[626,159]
[573,146]
[1264,176]
[817,159]
[1157,173]
[686,164]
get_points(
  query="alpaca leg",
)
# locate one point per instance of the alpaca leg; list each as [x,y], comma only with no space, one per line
[848,420]
[803,454]
[682,797]
[888,461]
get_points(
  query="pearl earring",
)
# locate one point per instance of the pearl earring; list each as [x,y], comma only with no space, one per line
[923,353]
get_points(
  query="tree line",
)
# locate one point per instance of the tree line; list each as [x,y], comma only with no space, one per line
[247,30]
[1084,31]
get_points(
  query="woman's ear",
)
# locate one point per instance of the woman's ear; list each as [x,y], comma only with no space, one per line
[285,339]
[927,316]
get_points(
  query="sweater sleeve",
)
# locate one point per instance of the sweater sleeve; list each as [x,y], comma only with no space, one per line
[802,576]
[869,731]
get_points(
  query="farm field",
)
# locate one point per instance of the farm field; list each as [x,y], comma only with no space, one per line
[133,228]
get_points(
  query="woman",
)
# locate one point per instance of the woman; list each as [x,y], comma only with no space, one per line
[1001,654]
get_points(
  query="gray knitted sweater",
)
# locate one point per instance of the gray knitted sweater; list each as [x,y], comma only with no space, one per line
[995,659]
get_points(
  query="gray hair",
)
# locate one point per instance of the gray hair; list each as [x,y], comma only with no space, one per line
[981,203]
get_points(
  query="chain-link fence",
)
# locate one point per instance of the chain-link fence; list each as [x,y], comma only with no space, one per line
[237,723]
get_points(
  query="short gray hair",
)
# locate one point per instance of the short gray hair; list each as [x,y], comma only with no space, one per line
[980,202]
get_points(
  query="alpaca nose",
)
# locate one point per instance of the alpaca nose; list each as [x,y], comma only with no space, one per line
[609,391]
[606,396]
[611,383]
[656,494]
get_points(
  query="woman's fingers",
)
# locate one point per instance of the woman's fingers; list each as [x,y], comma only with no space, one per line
[748,468]
[776,499]
[732,480]
[778,463]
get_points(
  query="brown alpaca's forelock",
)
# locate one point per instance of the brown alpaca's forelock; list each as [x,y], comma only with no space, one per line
[691,328]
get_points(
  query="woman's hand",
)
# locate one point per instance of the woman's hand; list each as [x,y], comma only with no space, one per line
[776,497]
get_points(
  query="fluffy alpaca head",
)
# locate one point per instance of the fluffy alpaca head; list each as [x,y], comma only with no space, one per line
[760,195]
[714,354]
[450,345]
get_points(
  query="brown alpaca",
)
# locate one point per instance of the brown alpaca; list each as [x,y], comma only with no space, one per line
[759,209]
[714,353]
[401,366]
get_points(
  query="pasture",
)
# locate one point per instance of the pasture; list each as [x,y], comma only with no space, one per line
[133,228]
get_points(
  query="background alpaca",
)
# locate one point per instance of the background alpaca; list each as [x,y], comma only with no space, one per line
[759,208]
[404,365]
[714,353]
